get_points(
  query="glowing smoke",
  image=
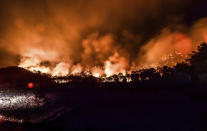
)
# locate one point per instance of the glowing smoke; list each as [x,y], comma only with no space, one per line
[106,37]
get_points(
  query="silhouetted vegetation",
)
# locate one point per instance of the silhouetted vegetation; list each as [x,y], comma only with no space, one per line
[192,72]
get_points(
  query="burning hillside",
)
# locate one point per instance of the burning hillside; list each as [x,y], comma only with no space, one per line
[103,64]
[104,37]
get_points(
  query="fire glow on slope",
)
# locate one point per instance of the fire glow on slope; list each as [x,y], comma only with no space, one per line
[102,56]
[70,37]
[114,65]
[158,52]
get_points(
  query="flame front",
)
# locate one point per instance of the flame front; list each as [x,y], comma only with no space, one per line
[67,38]
[102,57]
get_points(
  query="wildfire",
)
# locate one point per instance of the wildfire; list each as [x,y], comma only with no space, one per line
[33,61]
[61,69]
[115,64]
[167,49]
[97,71]
[64,38]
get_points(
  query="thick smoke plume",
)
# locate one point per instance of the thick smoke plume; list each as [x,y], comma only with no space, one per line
[104,36]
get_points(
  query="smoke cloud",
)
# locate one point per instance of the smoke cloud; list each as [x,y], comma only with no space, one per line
[114,35]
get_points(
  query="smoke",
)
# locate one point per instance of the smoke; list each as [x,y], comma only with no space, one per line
[110,36]
[165,44]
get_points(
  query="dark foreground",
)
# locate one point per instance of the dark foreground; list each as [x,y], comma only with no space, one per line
[123,109]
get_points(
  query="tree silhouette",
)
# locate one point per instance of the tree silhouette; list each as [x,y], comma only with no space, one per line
[198,59]
[183,67]
[198,62]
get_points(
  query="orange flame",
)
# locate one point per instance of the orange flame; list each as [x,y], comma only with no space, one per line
[115,64]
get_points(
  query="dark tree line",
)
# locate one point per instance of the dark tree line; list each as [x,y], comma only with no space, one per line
[192,72]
